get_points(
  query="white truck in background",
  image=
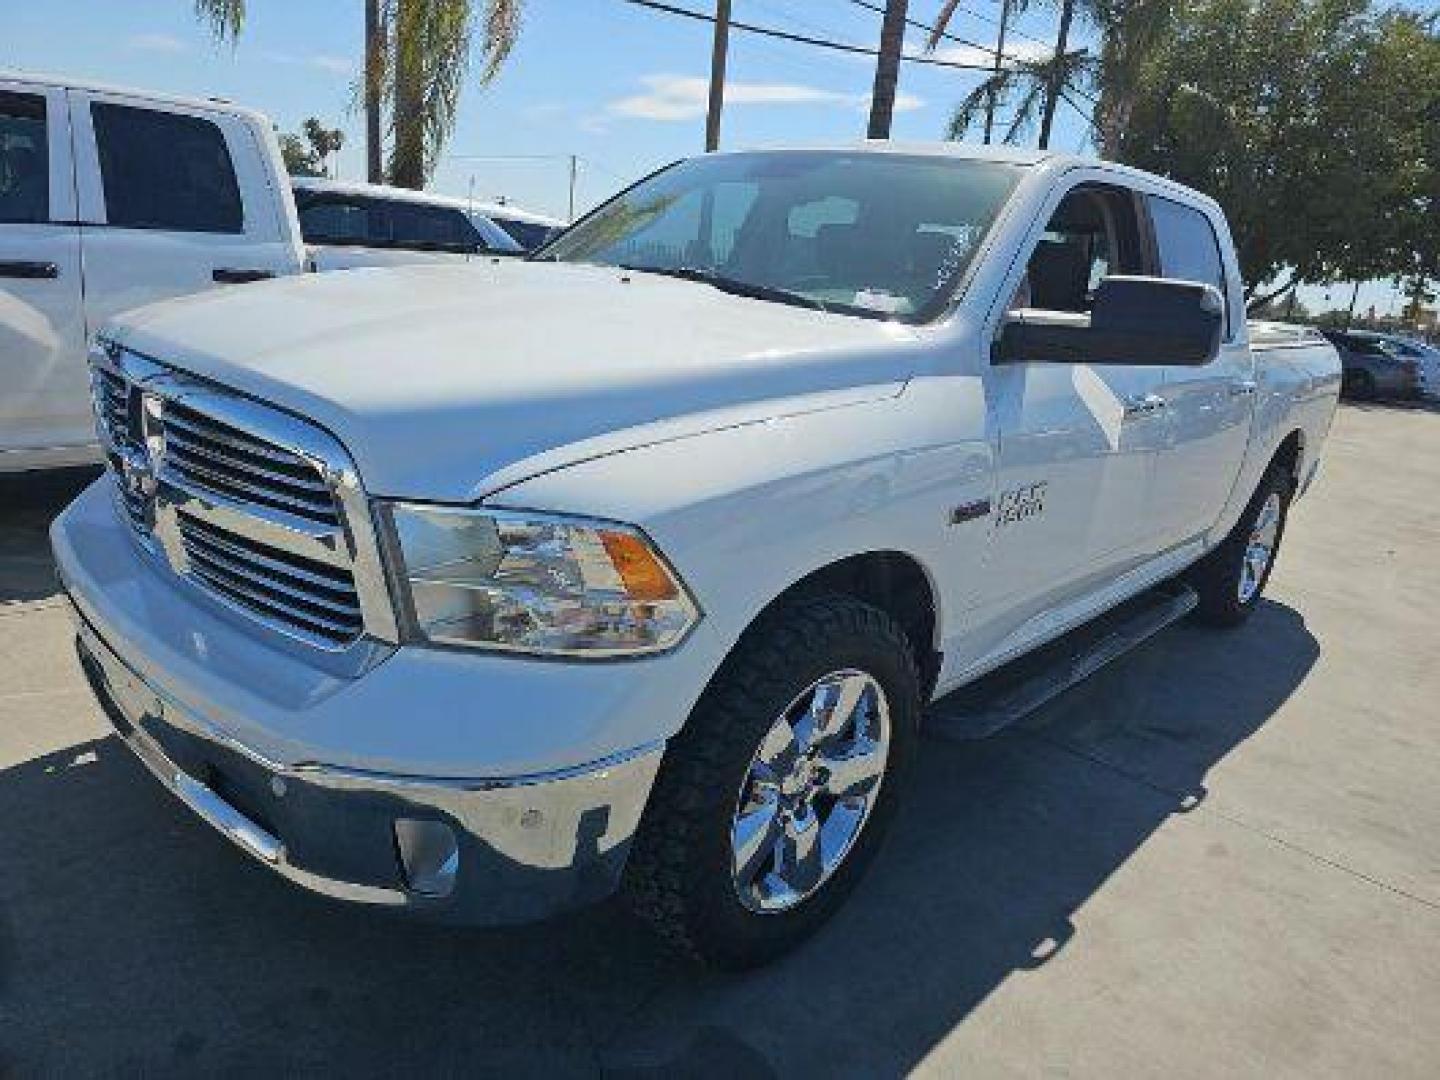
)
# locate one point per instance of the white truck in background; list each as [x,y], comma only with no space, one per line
[348,225]
[111,199]
[482,591]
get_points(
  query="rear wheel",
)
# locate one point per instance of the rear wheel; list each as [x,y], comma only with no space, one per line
[775,796]
[1231,578]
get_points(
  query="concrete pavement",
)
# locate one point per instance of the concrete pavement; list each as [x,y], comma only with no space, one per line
[1219,857]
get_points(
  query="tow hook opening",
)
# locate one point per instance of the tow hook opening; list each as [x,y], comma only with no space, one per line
[429,856]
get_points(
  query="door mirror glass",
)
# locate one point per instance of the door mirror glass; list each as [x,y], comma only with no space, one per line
[1133,321]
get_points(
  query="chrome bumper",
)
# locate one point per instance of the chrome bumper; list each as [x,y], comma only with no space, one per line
[474,851]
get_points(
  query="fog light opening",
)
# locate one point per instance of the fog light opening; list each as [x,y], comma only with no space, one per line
[429,855]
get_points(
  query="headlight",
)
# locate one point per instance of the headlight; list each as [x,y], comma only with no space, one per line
[538,584]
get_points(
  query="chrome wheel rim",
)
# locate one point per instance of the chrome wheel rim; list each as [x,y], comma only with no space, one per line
[809,790]
[1260,548]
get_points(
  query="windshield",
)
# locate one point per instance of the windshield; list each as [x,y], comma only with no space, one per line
[882,235]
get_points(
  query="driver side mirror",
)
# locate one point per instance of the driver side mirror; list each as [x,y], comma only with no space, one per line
[1134,321]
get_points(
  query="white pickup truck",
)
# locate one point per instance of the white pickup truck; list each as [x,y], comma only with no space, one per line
[110,199]
[485,591]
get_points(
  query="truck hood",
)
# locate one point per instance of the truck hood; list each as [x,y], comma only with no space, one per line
[451,382]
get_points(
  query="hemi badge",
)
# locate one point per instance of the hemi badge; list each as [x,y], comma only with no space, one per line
[970,511]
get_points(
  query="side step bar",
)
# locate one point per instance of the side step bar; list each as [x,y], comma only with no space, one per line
[1010,693]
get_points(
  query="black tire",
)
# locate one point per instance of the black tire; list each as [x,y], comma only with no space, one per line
[679,875]
[1216,577]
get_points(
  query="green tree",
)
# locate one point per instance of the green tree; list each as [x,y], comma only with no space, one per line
[1308,120]
[417,54]
[300,158]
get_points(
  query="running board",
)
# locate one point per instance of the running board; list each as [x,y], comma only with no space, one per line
[1010,693]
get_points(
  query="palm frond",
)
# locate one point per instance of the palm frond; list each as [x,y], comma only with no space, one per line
[500,30]
[224,17]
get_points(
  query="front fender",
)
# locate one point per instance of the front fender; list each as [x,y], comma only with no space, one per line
[745,513]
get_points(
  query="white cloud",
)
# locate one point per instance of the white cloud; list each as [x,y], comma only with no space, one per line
[681,97]
[984,55]
[336,65]
[160,43]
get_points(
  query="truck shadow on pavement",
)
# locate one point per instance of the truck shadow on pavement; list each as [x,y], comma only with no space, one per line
[28,503]
[133,939]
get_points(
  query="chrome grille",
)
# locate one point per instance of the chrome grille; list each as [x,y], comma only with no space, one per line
[312,596]
[254,507]
[205,455]
[111,393]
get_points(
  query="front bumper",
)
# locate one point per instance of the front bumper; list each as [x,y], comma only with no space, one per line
[503,852]
[532,776]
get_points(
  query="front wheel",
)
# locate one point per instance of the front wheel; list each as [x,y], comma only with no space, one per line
[775,796]
[1230,579]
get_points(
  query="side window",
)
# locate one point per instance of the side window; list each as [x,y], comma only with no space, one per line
[333,221]
[435,228]
[165,171]
[1186,244]
[1093,233]
[24,160]
[528,234]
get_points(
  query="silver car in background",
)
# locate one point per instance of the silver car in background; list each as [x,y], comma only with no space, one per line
[1378,365]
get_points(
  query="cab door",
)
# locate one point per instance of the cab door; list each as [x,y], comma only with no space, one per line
[1210,406]
[173,200]
[44,402]
[1077,443]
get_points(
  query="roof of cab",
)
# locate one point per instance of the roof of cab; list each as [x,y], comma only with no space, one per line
[383,191]
[67,82]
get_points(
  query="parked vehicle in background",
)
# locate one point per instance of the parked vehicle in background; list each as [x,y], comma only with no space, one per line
[483,591]
[110,199]
[349,225]
[1425,355]
[1375,367]
[529,229]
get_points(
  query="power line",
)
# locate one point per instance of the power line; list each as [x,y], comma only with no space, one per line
[992,50]
[801,39]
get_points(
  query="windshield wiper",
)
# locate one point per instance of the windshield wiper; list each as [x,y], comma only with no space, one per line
[734,286]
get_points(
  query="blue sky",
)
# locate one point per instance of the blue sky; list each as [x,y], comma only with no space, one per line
[619,86]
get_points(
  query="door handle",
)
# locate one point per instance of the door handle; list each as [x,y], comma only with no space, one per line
[1242,388]
[229,275]
[32,271]
[1137,405]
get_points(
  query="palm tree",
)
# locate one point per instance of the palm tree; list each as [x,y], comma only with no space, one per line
[1025,82]
[887,68]
[1129,30]
[1041,83]
[417,54]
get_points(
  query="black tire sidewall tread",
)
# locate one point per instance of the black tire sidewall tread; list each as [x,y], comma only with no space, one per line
[1216,577]
[678,874]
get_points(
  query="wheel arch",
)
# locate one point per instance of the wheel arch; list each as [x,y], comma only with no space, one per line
[894,581]
[1289,456]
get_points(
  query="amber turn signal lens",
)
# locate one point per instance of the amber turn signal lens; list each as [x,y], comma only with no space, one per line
[645,579]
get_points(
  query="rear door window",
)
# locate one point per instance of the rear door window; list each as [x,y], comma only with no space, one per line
[431,228]
[333,220]
[163,170]
[24,160]
[1188,247]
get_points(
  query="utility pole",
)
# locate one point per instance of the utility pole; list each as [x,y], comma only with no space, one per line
[1057,73]
[999,66]
[574,171]
[717,75]
[1350,315]
[887,68]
